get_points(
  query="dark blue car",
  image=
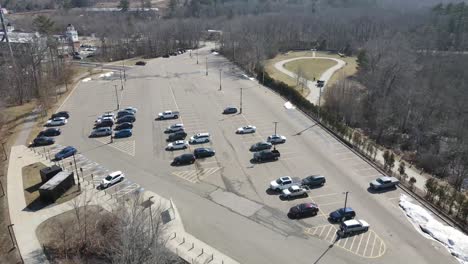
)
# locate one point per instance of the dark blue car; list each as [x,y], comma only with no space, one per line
[123,133]
[342,214]
[124,126]
[126,119]
[65,153]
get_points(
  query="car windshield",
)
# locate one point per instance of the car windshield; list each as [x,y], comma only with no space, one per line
[108,178]
[279,181]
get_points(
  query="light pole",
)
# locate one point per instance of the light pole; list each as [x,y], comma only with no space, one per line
[276,123]
[240,110]
[197,56]
[206,59]
[220,87]
[319,85]
[76,169]
[346,198]
[123,67]
[117,96]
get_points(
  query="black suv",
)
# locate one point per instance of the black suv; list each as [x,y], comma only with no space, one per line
[43,141]
[229,110]
[314,180]
[342,214]
[184,159]
[126,119]
[305,209]
[266,155]
[260,146]
[50,132]
[179,135]
[203,152]
[61,114]
[125,125]
[105,123]
[123,113]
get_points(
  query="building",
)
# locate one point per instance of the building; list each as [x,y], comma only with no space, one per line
[71,37]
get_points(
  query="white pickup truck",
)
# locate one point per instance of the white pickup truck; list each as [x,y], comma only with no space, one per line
[168,115]
[283,183]
[383,183]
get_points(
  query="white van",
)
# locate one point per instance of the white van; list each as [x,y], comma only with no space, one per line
[200,138]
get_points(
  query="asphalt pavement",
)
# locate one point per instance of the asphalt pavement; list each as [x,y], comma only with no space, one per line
[223,200]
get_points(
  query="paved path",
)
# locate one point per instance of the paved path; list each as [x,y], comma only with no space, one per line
[314,91]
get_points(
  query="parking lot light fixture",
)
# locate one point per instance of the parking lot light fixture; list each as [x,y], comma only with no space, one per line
[346,198]
[276,123]
[151,215]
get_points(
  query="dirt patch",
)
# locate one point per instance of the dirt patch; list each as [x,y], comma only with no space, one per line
[31,184]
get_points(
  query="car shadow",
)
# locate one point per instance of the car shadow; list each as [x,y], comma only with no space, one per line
[373,191]
[253,161]
[272,192]
[180,164]
[292,198]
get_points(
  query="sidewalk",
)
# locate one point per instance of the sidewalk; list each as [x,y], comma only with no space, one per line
[25,221]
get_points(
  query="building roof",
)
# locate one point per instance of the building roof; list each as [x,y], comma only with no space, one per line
[21,37]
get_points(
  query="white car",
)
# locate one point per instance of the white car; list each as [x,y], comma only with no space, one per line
[105,118]
[350,227]
[200,138]
[131,109]
[174,128]
[109,115]
[179,144]
[101,132]
[56,121]
[281,183]
[113,178]
[294,191]
[276,139]
[246,129]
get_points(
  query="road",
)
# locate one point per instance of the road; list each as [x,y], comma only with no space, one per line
[314,95]
[224,200]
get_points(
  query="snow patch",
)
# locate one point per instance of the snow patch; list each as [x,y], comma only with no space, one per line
[106,75]
[86,80]
[288,105]
[214,53]
[454,240]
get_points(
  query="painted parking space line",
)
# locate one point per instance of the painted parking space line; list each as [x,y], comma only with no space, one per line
[366,245]
[194,176]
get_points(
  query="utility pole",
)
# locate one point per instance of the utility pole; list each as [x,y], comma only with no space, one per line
[220,87]
[276,123]
[240,110]
[5,32]
[346,198]
[206,65]
[117,96]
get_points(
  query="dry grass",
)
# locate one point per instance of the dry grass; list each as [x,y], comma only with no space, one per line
[32,182]
[310,68]
[348,70]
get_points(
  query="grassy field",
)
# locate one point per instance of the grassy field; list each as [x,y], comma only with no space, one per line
[348,70]
[310,68]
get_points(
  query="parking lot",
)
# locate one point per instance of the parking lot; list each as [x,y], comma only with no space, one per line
[229,193]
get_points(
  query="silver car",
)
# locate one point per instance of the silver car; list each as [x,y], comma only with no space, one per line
[101,132]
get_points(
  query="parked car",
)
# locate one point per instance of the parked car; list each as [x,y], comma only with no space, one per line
[123,133]
[77,57]
[101,132]
[123,113]
[342,214]
[108,115]
[166,55]
[187,158]
[113,178]
[303,209]
[261,146]
[246,129]
[352,227]
[61,114]
[384,183]
[203,152]
[179,135]
[106,119]
[200,138]
[179,144]
[104,123]
[266,155]
[282,183]
[140,63]
[230,110]
[276,139]
[126,119]
[56,121]
[43,141]
[50,132]
[168,115]
[65,153]
[131,109]
[125,125]
[314,180]
[294,191]
[174,128]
